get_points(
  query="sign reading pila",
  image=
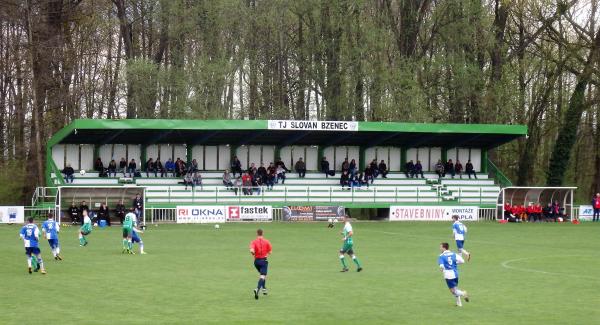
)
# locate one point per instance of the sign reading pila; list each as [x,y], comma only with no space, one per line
[313,125]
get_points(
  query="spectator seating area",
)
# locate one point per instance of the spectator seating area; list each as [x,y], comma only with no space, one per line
[313,188]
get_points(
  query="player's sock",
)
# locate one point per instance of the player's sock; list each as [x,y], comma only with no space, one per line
[356,261]
[29,261]
[343,260]
[81,240]
[261,283]
[458,293]
[458,302]
[40,262]
[57,250]
[129,244]
[141,247]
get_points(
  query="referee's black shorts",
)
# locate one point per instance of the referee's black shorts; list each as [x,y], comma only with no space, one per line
[261,265]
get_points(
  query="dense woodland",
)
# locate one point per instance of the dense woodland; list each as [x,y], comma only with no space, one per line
[532,62]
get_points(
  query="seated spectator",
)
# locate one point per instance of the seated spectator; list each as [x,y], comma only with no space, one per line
[300,168]
[325,167]
[280,174]
[159,167]
[236,166]
[179,168]
[557,210]
[548,213]
[252,169]
[536,215]
[123,166]
[530,212]
[98,165]
[280,163]
[104,214]
[439,169]
[352,168]
[197,180]
[247,184]
[237,184]
[374,168]
[507,210]
[271,176]
[458,168]
[193,167]
[73,212]
[120,211]
[170,167]
[69,173]
[361,180]
[469,169]
[418,170]
[132,167]
[449,168]
[188,180]
[345,166]
[150,167]
[256,183]
[345,179]
[409,169]
[112,168]
[227,179]
[520,212]
[382,169]
[262,173]
[368,174]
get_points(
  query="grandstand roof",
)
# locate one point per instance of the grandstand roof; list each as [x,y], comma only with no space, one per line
[246,132]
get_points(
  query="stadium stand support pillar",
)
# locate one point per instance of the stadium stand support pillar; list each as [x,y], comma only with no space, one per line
[320,154]
[277,152]
[403,151]
[188,153]
[444,155]
[361,157]
[143,157]
[232,153]
[97,153]
[484,160]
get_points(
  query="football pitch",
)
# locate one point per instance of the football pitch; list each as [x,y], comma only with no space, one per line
[195,274]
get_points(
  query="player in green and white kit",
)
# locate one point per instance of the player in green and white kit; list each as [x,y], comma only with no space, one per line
[347,248]
[127,230]
[86,229]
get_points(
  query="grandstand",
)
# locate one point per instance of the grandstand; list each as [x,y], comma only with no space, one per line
[213,144]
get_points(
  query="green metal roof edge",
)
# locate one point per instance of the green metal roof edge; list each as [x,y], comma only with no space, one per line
[442,128]
[166,124]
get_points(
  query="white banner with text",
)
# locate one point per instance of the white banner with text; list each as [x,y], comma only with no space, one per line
[313,125]
[12,214]
[223,213]
[433,213]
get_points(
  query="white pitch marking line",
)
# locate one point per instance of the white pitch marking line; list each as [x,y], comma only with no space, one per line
[506,265]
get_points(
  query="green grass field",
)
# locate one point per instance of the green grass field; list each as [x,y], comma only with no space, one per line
[195,274]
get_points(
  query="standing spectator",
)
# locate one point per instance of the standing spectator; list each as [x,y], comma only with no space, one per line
[120,211]
[159,167]
[170,167]
[123,166]
[188,180]
[345,166]
[236,166]
[227,179]
[83,207]
[458,168]
[197,179]
[180,167]
[104,214]
[345,179]
[368,174]
[132,167]
[138,205]
[409,168]
[352,168]
[247,183]
[262,173]
[439,169]
[271,176]
[300,168]
[418,170]
[325,167]
[596,207]
[69,172]
[382,169]
[449,168]
[556,209]
[469,169]
[374,169]
[73,213]
[150,167]
[112,168]
[280,163]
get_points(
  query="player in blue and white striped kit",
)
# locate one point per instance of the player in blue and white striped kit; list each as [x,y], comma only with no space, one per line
[448,262]
[460,231]
[51,228]
[30,233]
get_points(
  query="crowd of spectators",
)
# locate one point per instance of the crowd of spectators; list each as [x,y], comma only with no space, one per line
[534,212]
[76,213]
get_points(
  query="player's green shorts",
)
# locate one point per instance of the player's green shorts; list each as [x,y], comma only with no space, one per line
[85,230]
[347,248]
[126,232]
